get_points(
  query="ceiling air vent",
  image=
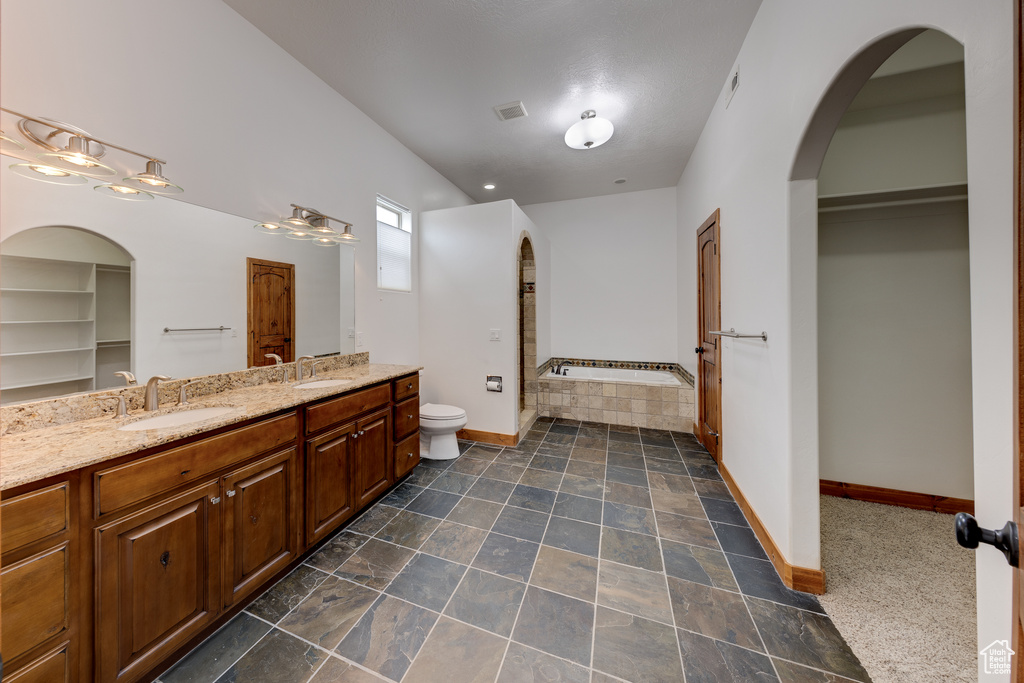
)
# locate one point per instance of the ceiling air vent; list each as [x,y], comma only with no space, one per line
[512,110]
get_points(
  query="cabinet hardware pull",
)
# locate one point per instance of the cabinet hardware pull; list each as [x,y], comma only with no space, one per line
[185,472]
[409,456]
[231,493]
[361,432]
[410,385]
[215,500]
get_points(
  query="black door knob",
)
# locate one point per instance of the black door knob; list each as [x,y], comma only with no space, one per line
[970,535]
[699,349]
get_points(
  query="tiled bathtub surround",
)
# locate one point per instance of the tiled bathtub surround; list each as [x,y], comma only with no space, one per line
[587,554]
[617,403]
[674,368]
[52,412]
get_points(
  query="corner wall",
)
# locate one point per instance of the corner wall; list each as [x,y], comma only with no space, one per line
[743,164]
[613,279]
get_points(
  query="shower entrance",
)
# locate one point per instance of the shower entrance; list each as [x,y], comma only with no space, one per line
[526,333]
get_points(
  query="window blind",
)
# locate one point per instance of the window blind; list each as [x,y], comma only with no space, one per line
[394,247]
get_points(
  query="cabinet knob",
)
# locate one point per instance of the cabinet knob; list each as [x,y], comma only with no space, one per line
[361,432]
[215,500]
[409,386]
[409,455]
[231,493]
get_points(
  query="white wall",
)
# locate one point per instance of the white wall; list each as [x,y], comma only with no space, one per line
[244,127]
[891,148]
[613,275]
[189,270]
[894,314]
[468,286]
[743,164]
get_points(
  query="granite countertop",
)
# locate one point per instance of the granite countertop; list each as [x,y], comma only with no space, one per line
[48,451]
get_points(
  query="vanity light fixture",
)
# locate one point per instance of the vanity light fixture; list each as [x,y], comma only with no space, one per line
[309,225]
[589,132]
[7,143]
[49,174]
[129,194]
[73,156]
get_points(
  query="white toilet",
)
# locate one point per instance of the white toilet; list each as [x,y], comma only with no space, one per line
[438,424]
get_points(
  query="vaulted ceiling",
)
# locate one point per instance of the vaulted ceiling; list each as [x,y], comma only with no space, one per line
[430,72]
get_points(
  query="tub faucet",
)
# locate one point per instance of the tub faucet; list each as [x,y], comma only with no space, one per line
[152,401]
[298,367]
[560,370]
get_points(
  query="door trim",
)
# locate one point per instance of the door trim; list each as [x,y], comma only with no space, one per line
[1017,628]
[713,219]
[250,344]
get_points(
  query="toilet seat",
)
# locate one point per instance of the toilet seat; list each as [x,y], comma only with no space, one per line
[440,411]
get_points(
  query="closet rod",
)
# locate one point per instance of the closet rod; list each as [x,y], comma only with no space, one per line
[196,329]
[731,332]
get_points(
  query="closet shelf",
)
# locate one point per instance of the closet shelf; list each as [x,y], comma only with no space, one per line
[44,382]
[20,290]
[109,343]
[43,322]
[40,353]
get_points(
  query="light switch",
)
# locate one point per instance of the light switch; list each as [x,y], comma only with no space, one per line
[495,335]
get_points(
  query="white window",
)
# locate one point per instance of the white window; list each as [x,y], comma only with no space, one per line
[394,246]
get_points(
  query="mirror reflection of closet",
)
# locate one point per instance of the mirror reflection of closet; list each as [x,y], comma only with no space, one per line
[65,313]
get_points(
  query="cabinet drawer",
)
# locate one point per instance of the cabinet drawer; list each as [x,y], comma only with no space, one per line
[52,667]
[35,601]
[121,486]
[407,455]
[34,516]
[346,407]
[407,417]
[406,387]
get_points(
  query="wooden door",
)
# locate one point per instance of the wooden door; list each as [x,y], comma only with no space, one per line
[261,526]
[271,315]
[372,457]
[328,482]
[709,318]
[158,581]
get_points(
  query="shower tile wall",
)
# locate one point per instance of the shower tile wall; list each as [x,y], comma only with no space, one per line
[618,403]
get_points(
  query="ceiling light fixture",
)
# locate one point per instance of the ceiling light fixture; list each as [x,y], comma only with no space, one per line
[589,132]
[489,186]
[71,152]
[309,225]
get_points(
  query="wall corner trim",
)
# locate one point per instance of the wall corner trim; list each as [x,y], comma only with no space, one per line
[798,578]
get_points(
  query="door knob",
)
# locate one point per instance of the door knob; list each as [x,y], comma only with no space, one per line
[969,535]
[699,349]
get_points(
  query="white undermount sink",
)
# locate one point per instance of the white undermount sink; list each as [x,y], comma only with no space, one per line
[179,419]
[322,384]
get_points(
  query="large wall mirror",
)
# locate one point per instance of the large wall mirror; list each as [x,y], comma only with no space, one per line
[167,265]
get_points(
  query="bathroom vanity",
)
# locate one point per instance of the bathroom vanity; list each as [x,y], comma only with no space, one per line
[120,550]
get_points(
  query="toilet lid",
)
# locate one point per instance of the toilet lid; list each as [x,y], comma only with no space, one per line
[439,411]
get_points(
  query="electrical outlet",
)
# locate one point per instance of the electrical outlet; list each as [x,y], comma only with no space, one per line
[734,84]
[234,332]
[360,340]
[351,333]
[495,335]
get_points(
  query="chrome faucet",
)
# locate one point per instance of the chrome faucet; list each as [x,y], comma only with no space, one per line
[277,358]
[129,378]
[298,367]
[152,401]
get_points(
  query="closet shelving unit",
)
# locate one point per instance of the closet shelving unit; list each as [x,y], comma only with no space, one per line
[51,315]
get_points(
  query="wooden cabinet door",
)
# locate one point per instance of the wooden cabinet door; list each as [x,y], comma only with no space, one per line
[36,603]
[260,522]
[158,581]
[372,463]
[328,482]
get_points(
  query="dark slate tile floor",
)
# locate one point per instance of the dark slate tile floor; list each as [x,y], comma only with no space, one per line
[588,554]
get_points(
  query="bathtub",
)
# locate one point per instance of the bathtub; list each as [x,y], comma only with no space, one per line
[617,375]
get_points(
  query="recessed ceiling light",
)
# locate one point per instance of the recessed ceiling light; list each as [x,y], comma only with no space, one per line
[489,186]
[619,181]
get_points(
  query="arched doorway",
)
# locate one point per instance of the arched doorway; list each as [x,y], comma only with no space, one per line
[526,332]
[884,260]
[67,312]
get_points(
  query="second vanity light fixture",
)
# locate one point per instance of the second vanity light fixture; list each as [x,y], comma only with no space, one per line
[72,157]
[589,132]
[309,225]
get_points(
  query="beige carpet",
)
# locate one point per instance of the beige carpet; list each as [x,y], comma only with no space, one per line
[900,590]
